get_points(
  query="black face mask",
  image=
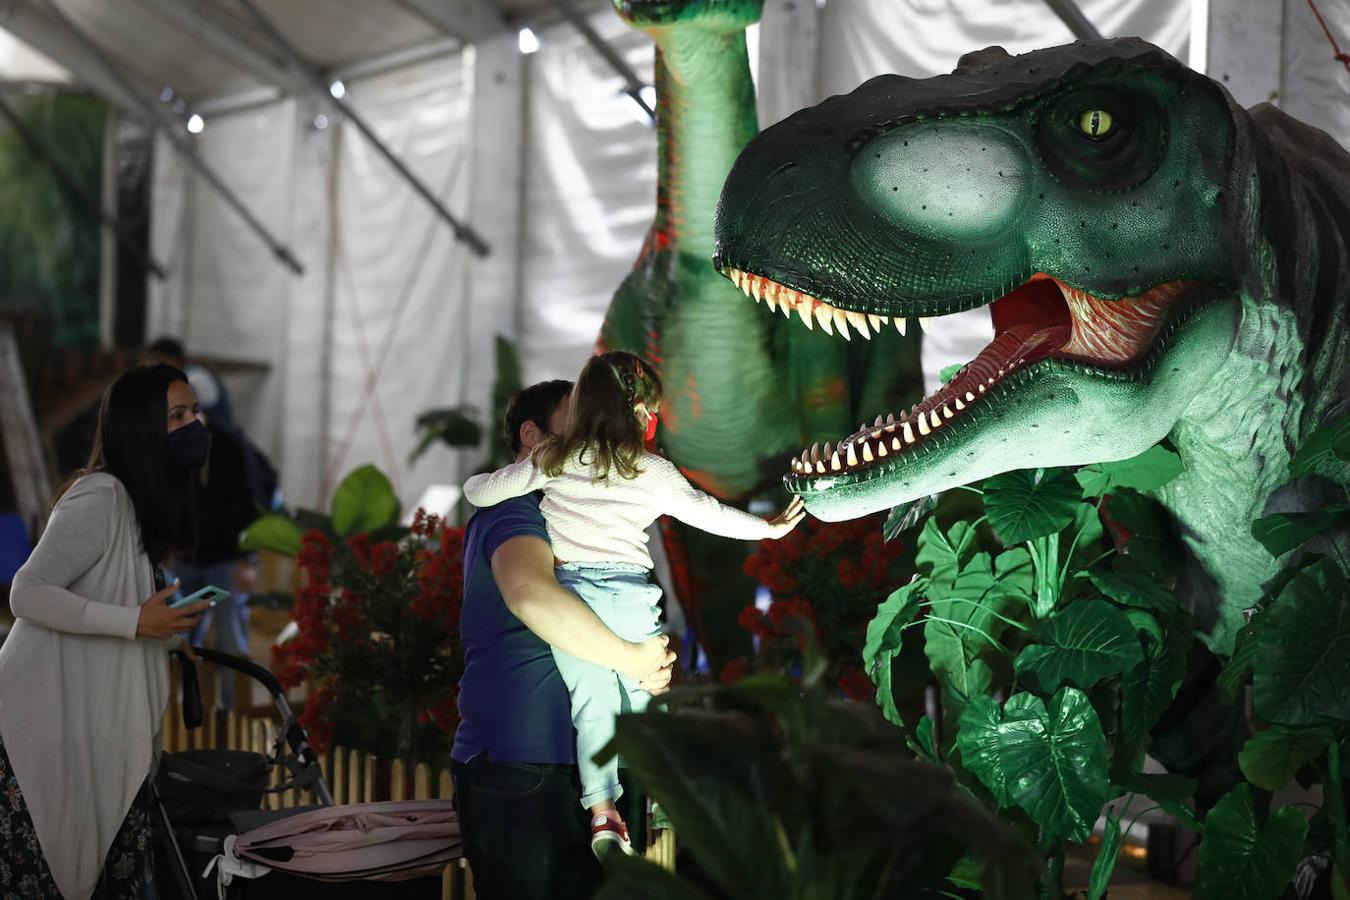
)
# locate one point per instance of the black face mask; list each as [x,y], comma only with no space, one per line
[189,446]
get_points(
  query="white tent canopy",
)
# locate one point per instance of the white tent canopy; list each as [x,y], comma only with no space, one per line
[544,156]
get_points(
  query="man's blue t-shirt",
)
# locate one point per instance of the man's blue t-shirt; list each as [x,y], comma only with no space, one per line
[512,701]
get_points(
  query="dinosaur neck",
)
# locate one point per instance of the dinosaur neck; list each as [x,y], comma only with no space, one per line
[705,117]
[1236,457]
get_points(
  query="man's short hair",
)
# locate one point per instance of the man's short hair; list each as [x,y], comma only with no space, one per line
[536,404]
[168,349]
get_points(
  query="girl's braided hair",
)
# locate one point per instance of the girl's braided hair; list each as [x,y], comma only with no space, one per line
[602,426]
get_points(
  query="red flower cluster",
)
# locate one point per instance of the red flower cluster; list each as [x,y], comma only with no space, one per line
[378,622]
[831,575]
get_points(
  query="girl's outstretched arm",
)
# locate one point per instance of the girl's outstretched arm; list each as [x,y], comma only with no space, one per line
[705,512]
[515,480]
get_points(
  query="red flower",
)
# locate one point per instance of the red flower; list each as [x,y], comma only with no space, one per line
[752,620]
[856,685]
[359,545]
[734,671]
[383,558]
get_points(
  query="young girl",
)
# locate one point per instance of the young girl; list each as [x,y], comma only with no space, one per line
[602,488]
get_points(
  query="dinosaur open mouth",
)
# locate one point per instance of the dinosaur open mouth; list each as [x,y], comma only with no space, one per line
[1040,320]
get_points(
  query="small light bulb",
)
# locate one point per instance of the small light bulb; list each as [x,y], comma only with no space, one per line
[338,90]
[321,121]
[195,124]
[527,41]
[167,94]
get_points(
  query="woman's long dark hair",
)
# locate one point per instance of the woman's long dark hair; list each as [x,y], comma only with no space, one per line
[602,424]
[132,445]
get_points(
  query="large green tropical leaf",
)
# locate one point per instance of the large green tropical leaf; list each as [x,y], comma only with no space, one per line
[884,638]
[1148,471]
[364,502]
[1050,762]
[1085,643]
[1030,503]
[1302,663]
[1138,591]
[941,556]
[1244,656]
[1238,861]
[1147,690]
[1171,792]
[1325,451]
[272,532]
[964,624]
[1151,546]
[1271,757]
[1282,532]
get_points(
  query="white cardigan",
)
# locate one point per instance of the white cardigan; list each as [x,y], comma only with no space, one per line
[606,521]
[81,698]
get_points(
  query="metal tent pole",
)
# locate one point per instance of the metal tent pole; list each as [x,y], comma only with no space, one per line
[157,114]
[463,232]
[1071,15]
[632,84]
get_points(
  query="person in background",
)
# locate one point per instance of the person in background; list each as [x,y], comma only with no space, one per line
[514,758]
[84,675]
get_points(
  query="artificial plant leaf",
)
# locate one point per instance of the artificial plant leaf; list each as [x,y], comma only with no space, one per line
[363,502]
[1147,690]
[273,532]
[1148,471]
[941,556]
[1302,662]
[1271,757]
[1030,503]
[1325,451]
[893,613]
[1081,645]
[1080,547]
[1149,544]
[1282,532]
[923,742]
[905,516]
[1105,863]
[964,622]
[1244,655]
[966,873]
[1050,762]
[1238,861]
[1171,792]
[1014,574]
[455,426]
[1138,591]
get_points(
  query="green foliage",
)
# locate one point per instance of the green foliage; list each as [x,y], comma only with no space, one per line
[460,426]
[1050,762]
[777,790]
[1302,665]
[365,501]
[1282,532]
[274,532]
[1172,793]
[1271,757]
[1238,860]
[1325,451]
[1085,643]
[1105,863]
[1151,547]
[1031,503]
[883,641]
[1148,471]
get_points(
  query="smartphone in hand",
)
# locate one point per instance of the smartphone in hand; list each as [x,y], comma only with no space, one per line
[210,592]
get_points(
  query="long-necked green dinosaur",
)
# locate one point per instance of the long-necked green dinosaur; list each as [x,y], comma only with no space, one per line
[1157,261]
[743,391]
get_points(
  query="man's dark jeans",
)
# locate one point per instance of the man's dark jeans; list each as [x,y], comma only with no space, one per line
[526,834]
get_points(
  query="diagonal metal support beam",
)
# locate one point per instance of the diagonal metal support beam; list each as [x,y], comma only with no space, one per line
[632,84]
[154,112]
[471,21]
[1072,16]
[77,194]
[462,231]
[229,38]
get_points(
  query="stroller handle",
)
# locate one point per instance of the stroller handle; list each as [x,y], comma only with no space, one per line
[240,664]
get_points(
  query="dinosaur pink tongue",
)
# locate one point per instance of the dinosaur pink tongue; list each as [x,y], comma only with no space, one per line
[1017,346]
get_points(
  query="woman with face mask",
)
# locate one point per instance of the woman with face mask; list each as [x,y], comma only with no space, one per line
[84,675]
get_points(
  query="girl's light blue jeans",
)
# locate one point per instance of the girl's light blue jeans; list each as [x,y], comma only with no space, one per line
[627,603]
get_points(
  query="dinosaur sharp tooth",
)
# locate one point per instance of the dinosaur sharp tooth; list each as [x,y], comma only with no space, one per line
[877,423]
[881,448]
[923,426]
[804,313]
[822,313]
[933,418]
[867,452]
[946,411]
[981,389]
[970,398]
[875,322]
[890,418]
[784,307]
[885,320]
[756,287]
[925,322]
[736,275]
[859,323]
[820,467]
[835,464]
[895,442]
[900,324]
[959,405]
[840,323]
[908,432]
[815,452]
[852,455]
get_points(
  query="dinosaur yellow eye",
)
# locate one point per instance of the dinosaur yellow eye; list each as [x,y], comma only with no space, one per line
[1095,123]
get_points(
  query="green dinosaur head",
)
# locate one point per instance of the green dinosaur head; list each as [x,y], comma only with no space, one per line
[1082,193]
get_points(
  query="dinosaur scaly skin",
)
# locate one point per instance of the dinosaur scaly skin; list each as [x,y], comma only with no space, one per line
[742,390]
[1158,263]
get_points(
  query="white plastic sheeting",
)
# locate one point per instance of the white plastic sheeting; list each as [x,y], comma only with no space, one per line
[548,159]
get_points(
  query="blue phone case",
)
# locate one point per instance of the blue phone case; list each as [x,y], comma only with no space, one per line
[210,592]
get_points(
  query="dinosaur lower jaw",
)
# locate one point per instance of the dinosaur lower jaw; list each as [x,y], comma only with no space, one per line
[1043,323]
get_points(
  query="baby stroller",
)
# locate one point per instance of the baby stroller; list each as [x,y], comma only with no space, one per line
[213,839]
